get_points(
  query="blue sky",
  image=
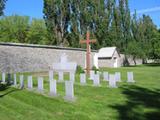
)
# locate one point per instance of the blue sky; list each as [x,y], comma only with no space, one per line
[34,8]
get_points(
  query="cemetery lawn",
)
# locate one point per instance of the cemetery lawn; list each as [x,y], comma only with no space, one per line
[138,101]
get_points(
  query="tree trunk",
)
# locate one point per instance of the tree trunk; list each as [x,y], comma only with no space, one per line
[134,60]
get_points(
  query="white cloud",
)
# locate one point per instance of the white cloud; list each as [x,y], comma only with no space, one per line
[154,9]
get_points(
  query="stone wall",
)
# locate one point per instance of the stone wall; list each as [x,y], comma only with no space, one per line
[34,58]
[121,61]
[129,60]
[16,57]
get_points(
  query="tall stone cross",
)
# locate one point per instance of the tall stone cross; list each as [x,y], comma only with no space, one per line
[87,42]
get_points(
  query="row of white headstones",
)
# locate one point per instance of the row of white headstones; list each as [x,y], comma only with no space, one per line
[69,88]
[111,78]
[69,85]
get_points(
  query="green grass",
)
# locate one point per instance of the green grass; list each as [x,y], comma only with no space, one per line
[138,101]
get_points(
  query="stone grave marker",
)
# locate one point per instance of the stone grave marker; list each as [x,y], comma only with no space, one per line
[105,76]
[96,80]
[130,77]
[21,81]
[53,87]
[69,91]
[118,76]
[30,82]
[65,66]
[83,78]
[3,77]
[60,76]
[92,72]
[112,81]
[51,75]
[72,76]
[15,79]
[9,78]
[40,84]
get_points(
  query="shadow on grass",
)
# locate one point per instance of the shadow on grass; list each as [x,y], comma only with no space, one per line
[4,87]
[152,65]
[8,92]
[141,104]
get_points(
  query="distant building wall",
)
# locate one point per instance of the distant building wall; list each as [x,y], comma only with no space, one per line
[29,58]
[109,62]
[106,63]
[130,60]
[32,58]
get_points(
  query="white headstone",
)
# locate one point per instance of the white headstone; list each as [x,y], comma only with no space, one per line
[83,78]
[40,84]
[60,76]
[130,77]
[30,82]
[69,90]
[92,74]
[53,87]
[105,76]
[112,81]
[72,76]
[15,80]
[118,76]
[96,80]
[51,75]
[64,65]
[3,77]
[21,81]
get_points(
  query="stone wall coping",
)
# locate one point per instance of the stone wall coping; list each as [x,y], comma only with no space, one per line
[41,46]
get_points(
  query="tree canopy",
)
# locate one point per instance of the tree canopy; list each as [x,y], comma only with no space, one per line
[2,6]
[67,21]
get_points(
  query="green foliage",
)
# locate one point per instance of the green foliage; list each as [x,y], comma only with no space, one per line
[19,29]
[79,69]
[66,22]
[56,16]
[2,6]
[95,69]
[144,35]
[37,33]
[155,49]
[14,28]
[134,49]
[109,22]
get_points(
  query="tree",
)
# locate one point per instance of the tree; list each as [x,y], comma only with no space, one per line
[125,24]
[148,36]
[144,33]
[14,28]
[37,33]
[134,48]
[2,6]
[155,49]
[56,16]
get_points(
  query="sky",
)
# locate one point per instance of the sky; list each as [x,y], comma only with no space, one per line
[34,8]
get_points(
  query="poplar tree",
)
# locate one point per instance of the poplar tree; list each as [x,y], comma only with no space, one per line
[2,6]
[56,16]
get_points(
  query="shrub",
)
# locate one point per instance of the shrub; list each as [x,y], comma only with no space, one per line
[95,69]
[79,69]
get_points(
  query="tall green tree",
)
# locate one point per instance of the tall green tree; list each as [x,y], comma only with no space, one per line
[147,33]
[134,46]
[125,24]
[37,33]
[2,6]
[56,16]
[14,28]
